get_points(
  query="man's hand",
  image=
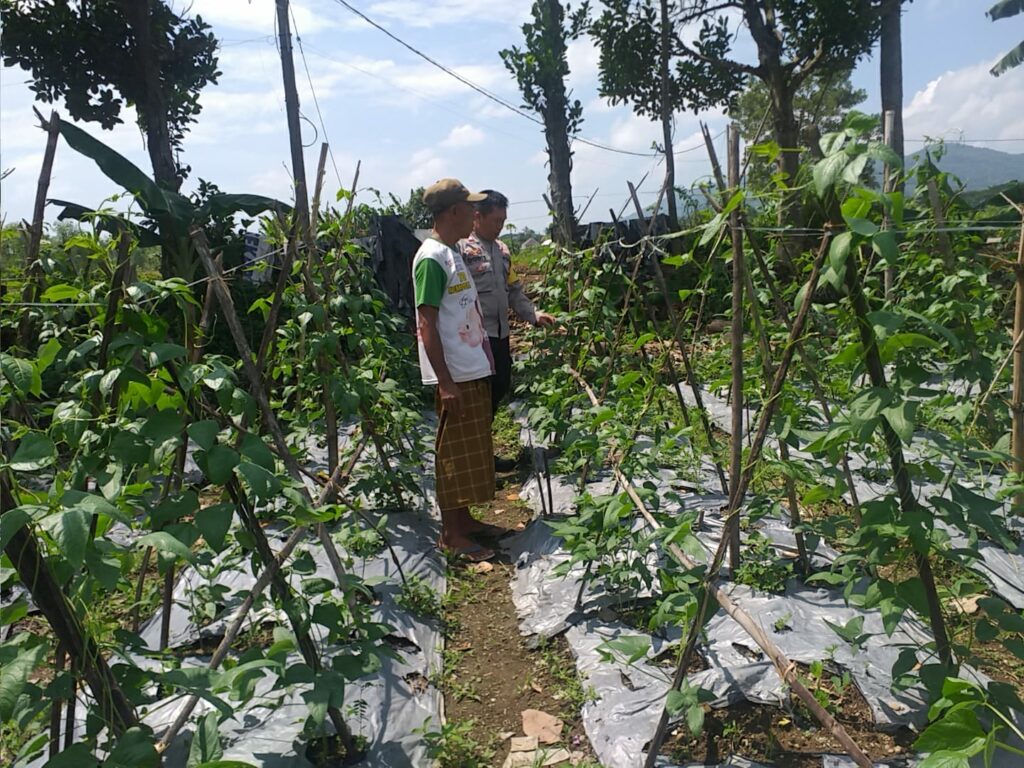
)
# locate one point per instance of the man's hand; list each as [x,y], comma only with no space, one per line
[451,398]
[543,318]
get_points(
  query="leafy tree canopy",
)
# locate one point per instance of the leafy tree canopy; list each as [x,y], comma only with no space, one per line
[823,100]
[84,51]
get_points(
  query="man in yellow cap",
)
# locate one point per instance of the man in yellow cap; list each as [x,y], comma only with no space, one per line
[455,355]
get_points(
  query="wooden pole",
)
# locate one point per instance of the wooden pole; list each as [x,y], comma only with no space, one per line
[1017,405]
[888,178]
[894,447]
[291,104]
[736,454]
[30,293]
[691,374]
[314,210]
[86,658]
[787,669]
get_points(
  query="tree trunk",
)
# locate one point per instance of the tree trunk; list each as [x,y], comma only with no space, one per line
[556,132]
[152,108]
[787,135]
[666,120]
[890,59]
[152,111]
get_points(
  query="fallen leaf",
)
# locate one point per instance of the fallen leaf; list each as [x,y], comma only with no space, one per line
[536,686]
[506,735]
[481,567]
[547,728]
[512,497]
[519,527]
[523,744]
[967,604]
[555,756]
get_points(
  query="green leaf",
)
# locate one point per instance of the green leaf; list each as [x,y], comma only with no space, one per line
[901,418]
[263,484]
[76,756]
[222,205]
[852,172]
[204,433]
[164,542]
[63,292]
[884,244]
[47,354]
[206,744]
[163,425]
[213,523]
[35,451]
[161,352]
[22,375]
[631,647]
[957,730]
[11,522]
[72,536]
[839,251]
[864,227]
[13,676]
[254,449]
[220,461]
[945,759]
[154,199]
[827,171]
[135,749]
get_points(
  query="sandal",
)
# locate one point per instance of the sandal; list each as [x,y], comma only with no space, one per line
[475,553]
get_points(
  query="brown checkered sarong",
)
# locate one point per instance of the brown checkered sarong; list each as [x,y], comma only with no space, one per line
[464,452]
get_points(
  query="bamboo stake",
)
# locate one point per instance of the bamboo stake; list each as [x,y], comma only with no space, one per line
[59,659]
[30,293]
[888,183]
[314,209]
[87,659]
[765,419]
[691,374]
[787,669]
[732,529]
[904,487]
[1017,406]
[269,572]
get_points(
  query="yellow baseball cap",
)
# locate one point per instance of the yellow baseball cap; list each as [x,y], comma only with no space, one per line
[446,193]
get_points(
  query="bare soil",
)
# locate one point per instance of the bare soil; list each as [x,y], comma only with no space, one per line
[490,675]
[788,739]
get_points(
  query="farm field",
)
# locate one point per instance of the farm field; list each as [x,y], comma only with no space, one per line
[765,503]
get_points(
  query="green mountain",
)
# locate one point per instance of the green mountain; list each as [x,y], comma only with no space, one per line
[977,167]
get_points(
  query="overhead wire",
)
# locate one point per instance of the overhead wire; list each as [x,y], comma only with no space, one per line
[483,91]
[312,90]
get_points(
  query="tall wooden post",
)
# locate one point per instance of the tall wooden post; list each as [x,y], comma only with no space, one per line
[1017,406]
[30,293]
[736,459]
[291,105]
[888,176]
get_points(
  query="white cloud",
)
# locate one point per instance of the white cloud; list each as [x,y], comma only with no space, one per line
[463,136]
[414,13]
[259,15]
[968,104]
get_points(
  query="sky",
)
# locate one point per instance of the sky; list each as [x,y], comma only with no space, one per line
[408,123]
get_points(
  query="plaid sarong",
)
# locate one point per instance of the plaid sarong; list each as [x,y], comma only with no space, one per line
[465,453]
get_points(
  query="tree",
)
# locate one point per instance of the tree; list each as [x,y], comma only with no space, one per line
[413,211]
[890,66]
[821,102]
[644,62]
[540,69]
[101,55]
[1004,9]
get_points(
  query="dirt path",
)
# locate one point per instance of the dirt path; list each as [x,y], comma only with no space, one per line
[490,677]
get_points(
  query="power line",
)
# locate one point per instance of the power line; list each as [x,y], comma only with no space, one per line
[316,103]
[480,89]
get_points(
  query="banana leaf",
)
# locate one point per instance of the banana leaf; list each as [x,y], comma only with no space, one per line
[159,203]
[106,222]
[220,205]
